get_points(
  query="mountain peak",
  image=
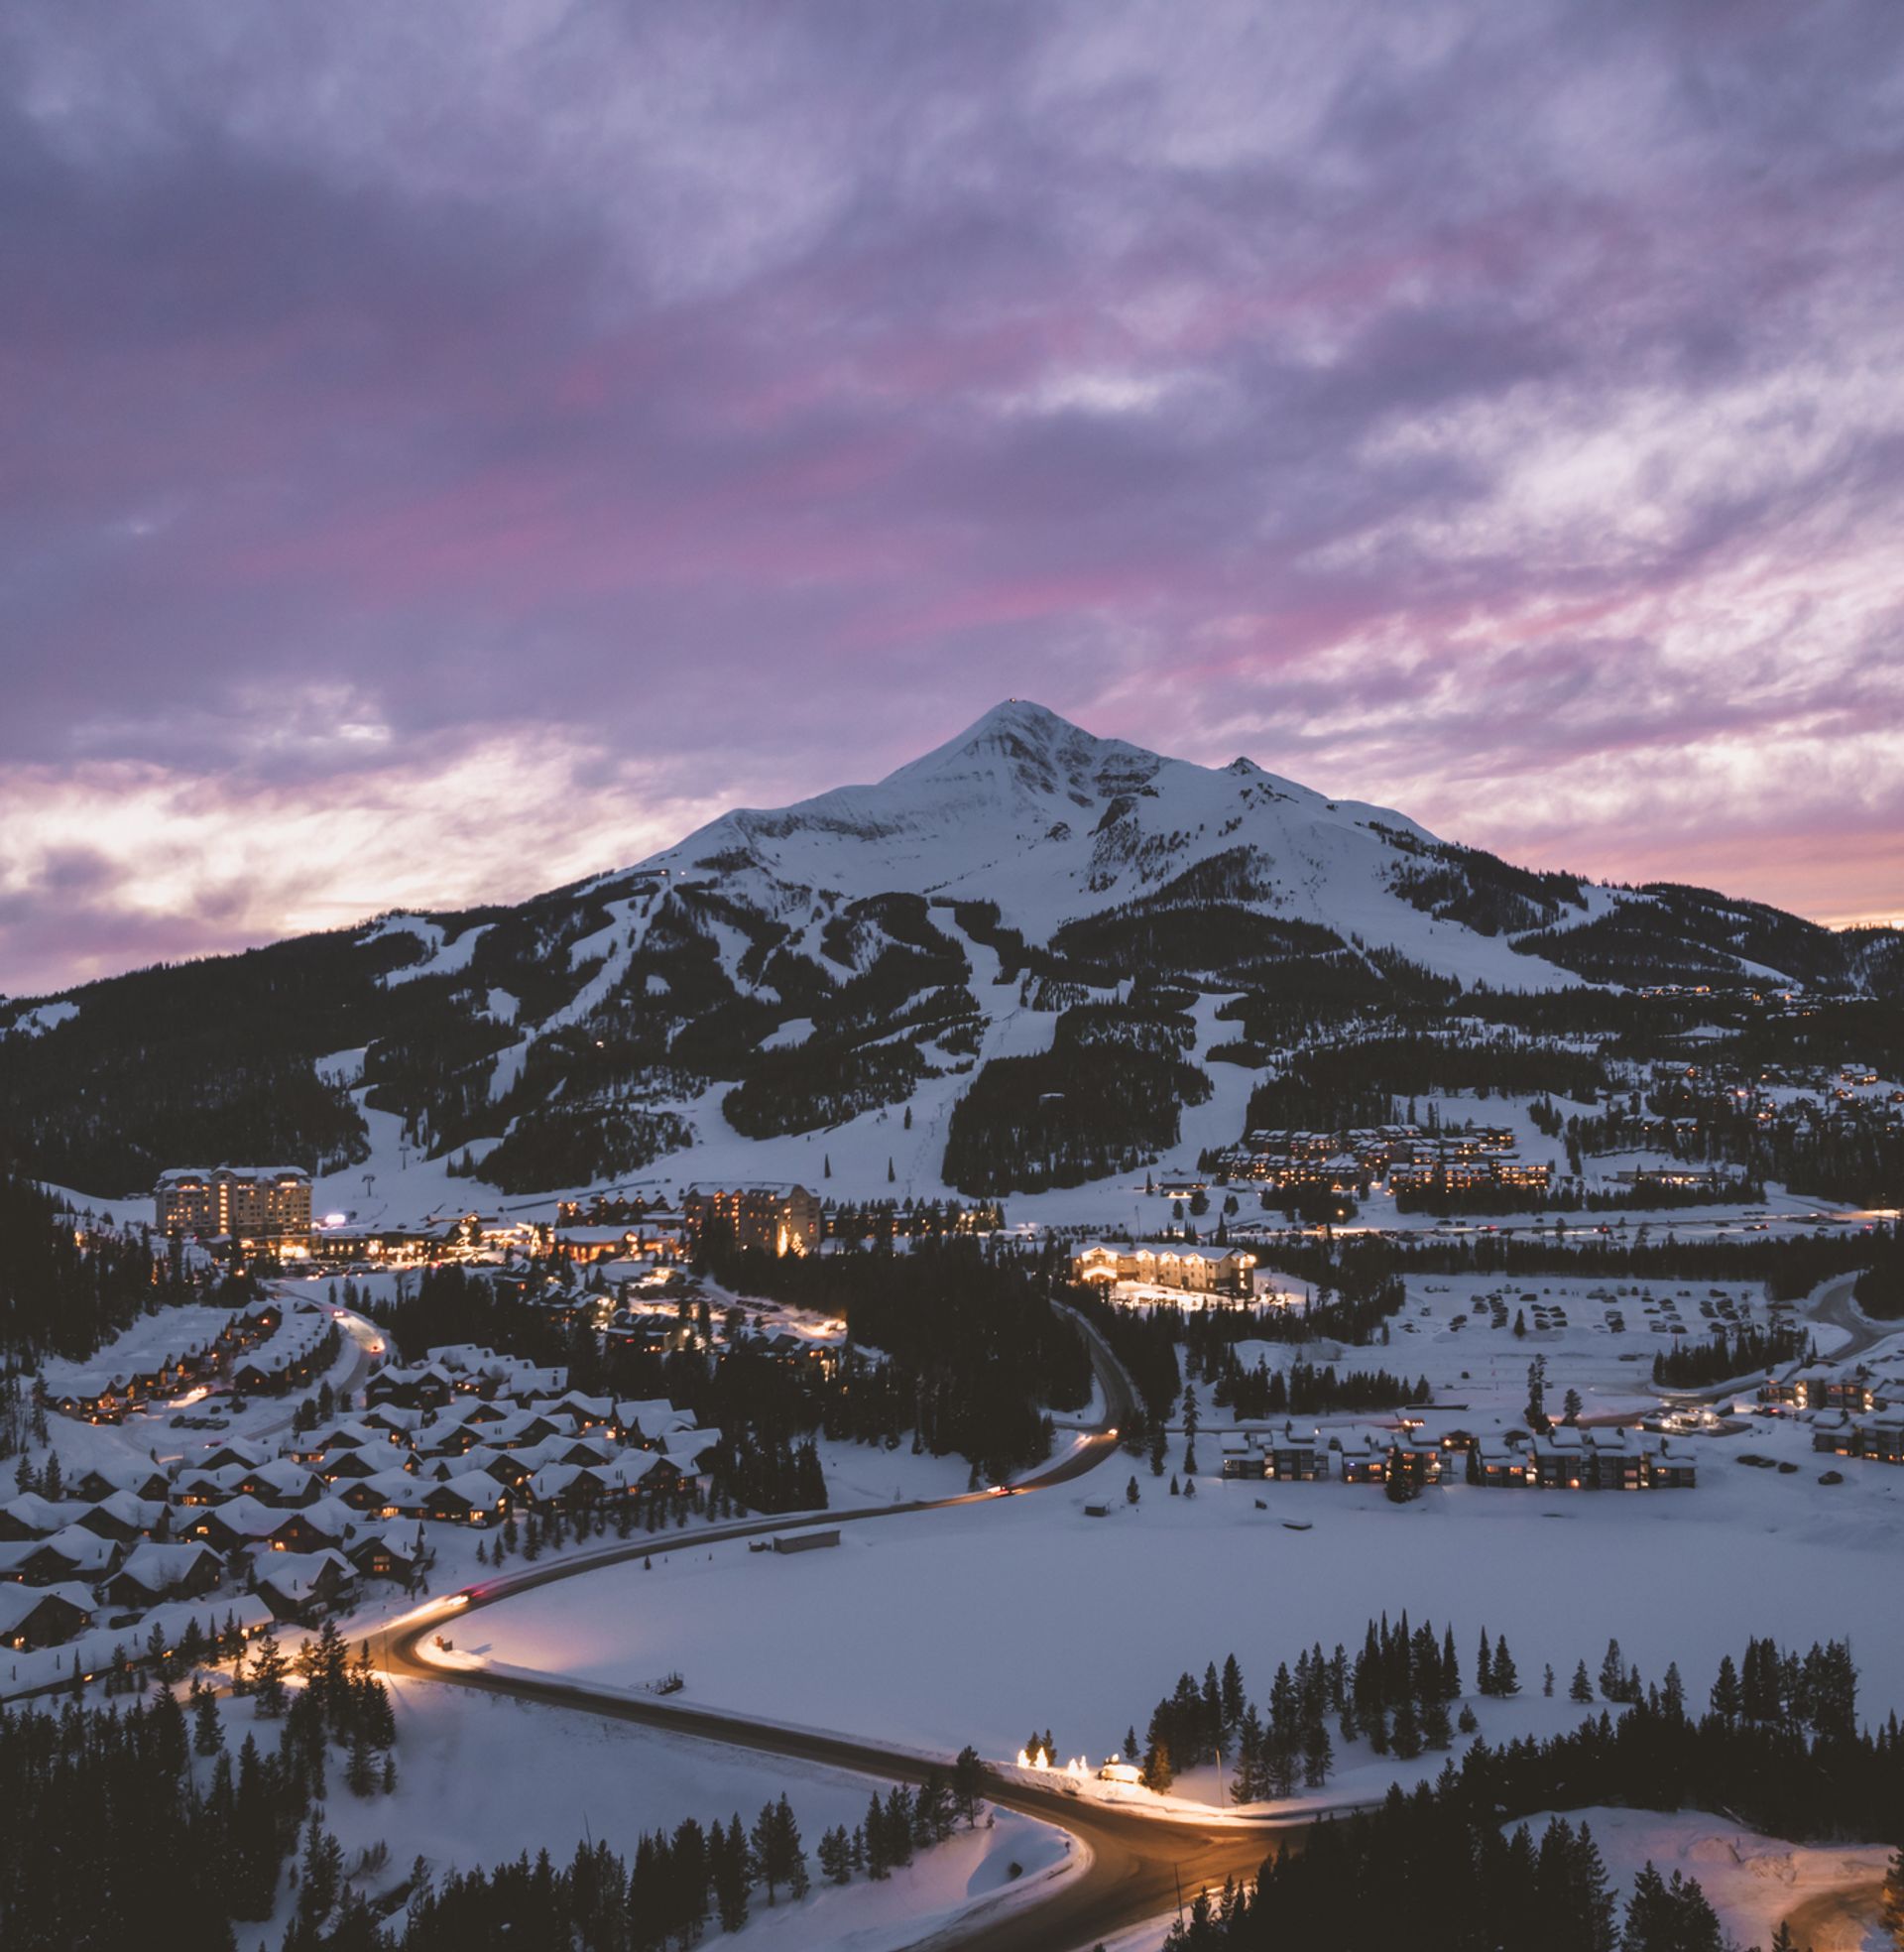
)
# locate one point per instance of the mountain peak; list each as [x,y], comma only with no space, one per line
[1025,743]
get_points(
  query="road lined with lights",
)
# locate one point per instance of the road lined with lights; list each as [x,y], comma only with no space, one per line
[1138,1863]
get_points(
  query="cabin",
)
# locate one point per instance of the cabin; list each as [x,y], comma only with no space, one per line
[98,1484]
[125,1517]
[31,1517]
[387,1495]
[46,1615]
[315,1529]
[71,1553]
[1365,1459]
[156,1573]
[298,1586]
[392,1554]
[473,1498]
[284,1484]
[427,1386]
[1245,1458]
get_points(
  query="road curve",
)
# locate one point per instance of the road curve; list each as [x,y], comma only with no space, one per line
[1140,1862]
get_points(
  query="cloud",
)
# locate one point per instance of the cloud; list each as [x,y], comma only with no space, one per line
[1482,410]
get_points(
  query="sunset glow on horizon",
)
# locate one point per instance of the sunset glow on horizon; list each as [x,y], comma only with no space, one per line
[448,452]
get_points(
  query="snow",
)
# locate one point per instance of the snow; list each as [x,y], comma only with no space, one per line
[42,1018]
[481,1780]
[1025,1611]
[446,958]
[1010,811]
[1751,1881]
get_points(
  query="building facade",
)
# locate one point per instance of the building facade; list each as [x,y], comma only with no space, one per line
[247,1202]
[761,1217]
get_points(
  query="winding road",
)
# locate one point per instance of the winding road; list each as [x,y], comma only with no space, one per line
[1139,1862]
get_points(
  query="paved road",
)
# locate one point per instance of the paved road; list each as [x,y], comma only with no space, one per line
[1140,1861]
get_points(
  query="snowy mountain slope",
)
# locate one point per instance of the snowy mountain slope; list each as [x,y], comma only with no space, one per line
[1026,916]
[1051,824]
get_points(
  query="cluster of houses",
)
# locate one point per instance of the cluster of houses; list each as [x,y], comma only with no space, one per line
[1560,1459]
[269,1347]
[1358,1159]
[1856,1411]
[466,1438]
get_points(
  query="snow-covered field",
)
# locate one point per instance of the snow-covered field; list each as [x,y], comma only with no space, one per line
[1027,1613]
[481,1780]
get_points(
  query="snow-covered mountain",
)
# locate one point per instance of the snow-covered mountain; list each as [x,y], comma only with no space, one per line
[1029,955]
[1032,814]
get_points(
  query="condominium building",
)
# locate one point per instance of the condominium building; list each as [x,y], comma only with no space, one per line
[248,1202]
[764,1217]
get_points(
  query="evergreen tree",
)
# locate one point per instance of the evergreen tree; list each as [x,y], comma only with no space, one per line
[1613,1673]
[1507,1679]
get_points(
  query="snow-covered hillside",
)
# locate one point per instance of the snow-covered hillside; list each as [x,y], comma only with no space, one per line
[1029,812]
[1030,957]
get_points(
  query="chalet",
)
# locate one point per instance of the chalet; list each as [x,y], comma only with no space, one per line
[154,1573]
[647,1421]
[386,1494]
[569,1450]
[142,1480]
[621,1476]
[472,1498]
[399,1426]
[427,1386]
[691,1452]
[360,1461]
[125,1517]
[200,1486]
[347,1434]
[553,1484]
[231,1450]
[394,1554]
[1365,1458]
[1245,1458]
[14,1554]
[284,1483]
[522,1429]
[507,1467]
[45,1616]
[31,1517]
[298,1585]
[238,1522]
[73,1553]
[311,1531]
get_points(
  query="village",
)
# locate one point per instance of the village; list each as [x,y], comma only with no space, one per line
[236,1531]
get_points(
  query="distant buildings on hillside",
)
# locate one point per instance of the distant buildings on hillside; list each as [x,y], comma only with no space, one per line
[763,1217]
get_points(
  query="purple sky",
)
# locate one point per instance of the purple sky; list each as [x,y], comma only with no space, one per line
[445,451]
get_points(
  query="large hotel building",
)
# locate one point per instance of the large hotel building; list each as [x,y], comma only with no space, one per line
[247,1202]
[757,1216]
